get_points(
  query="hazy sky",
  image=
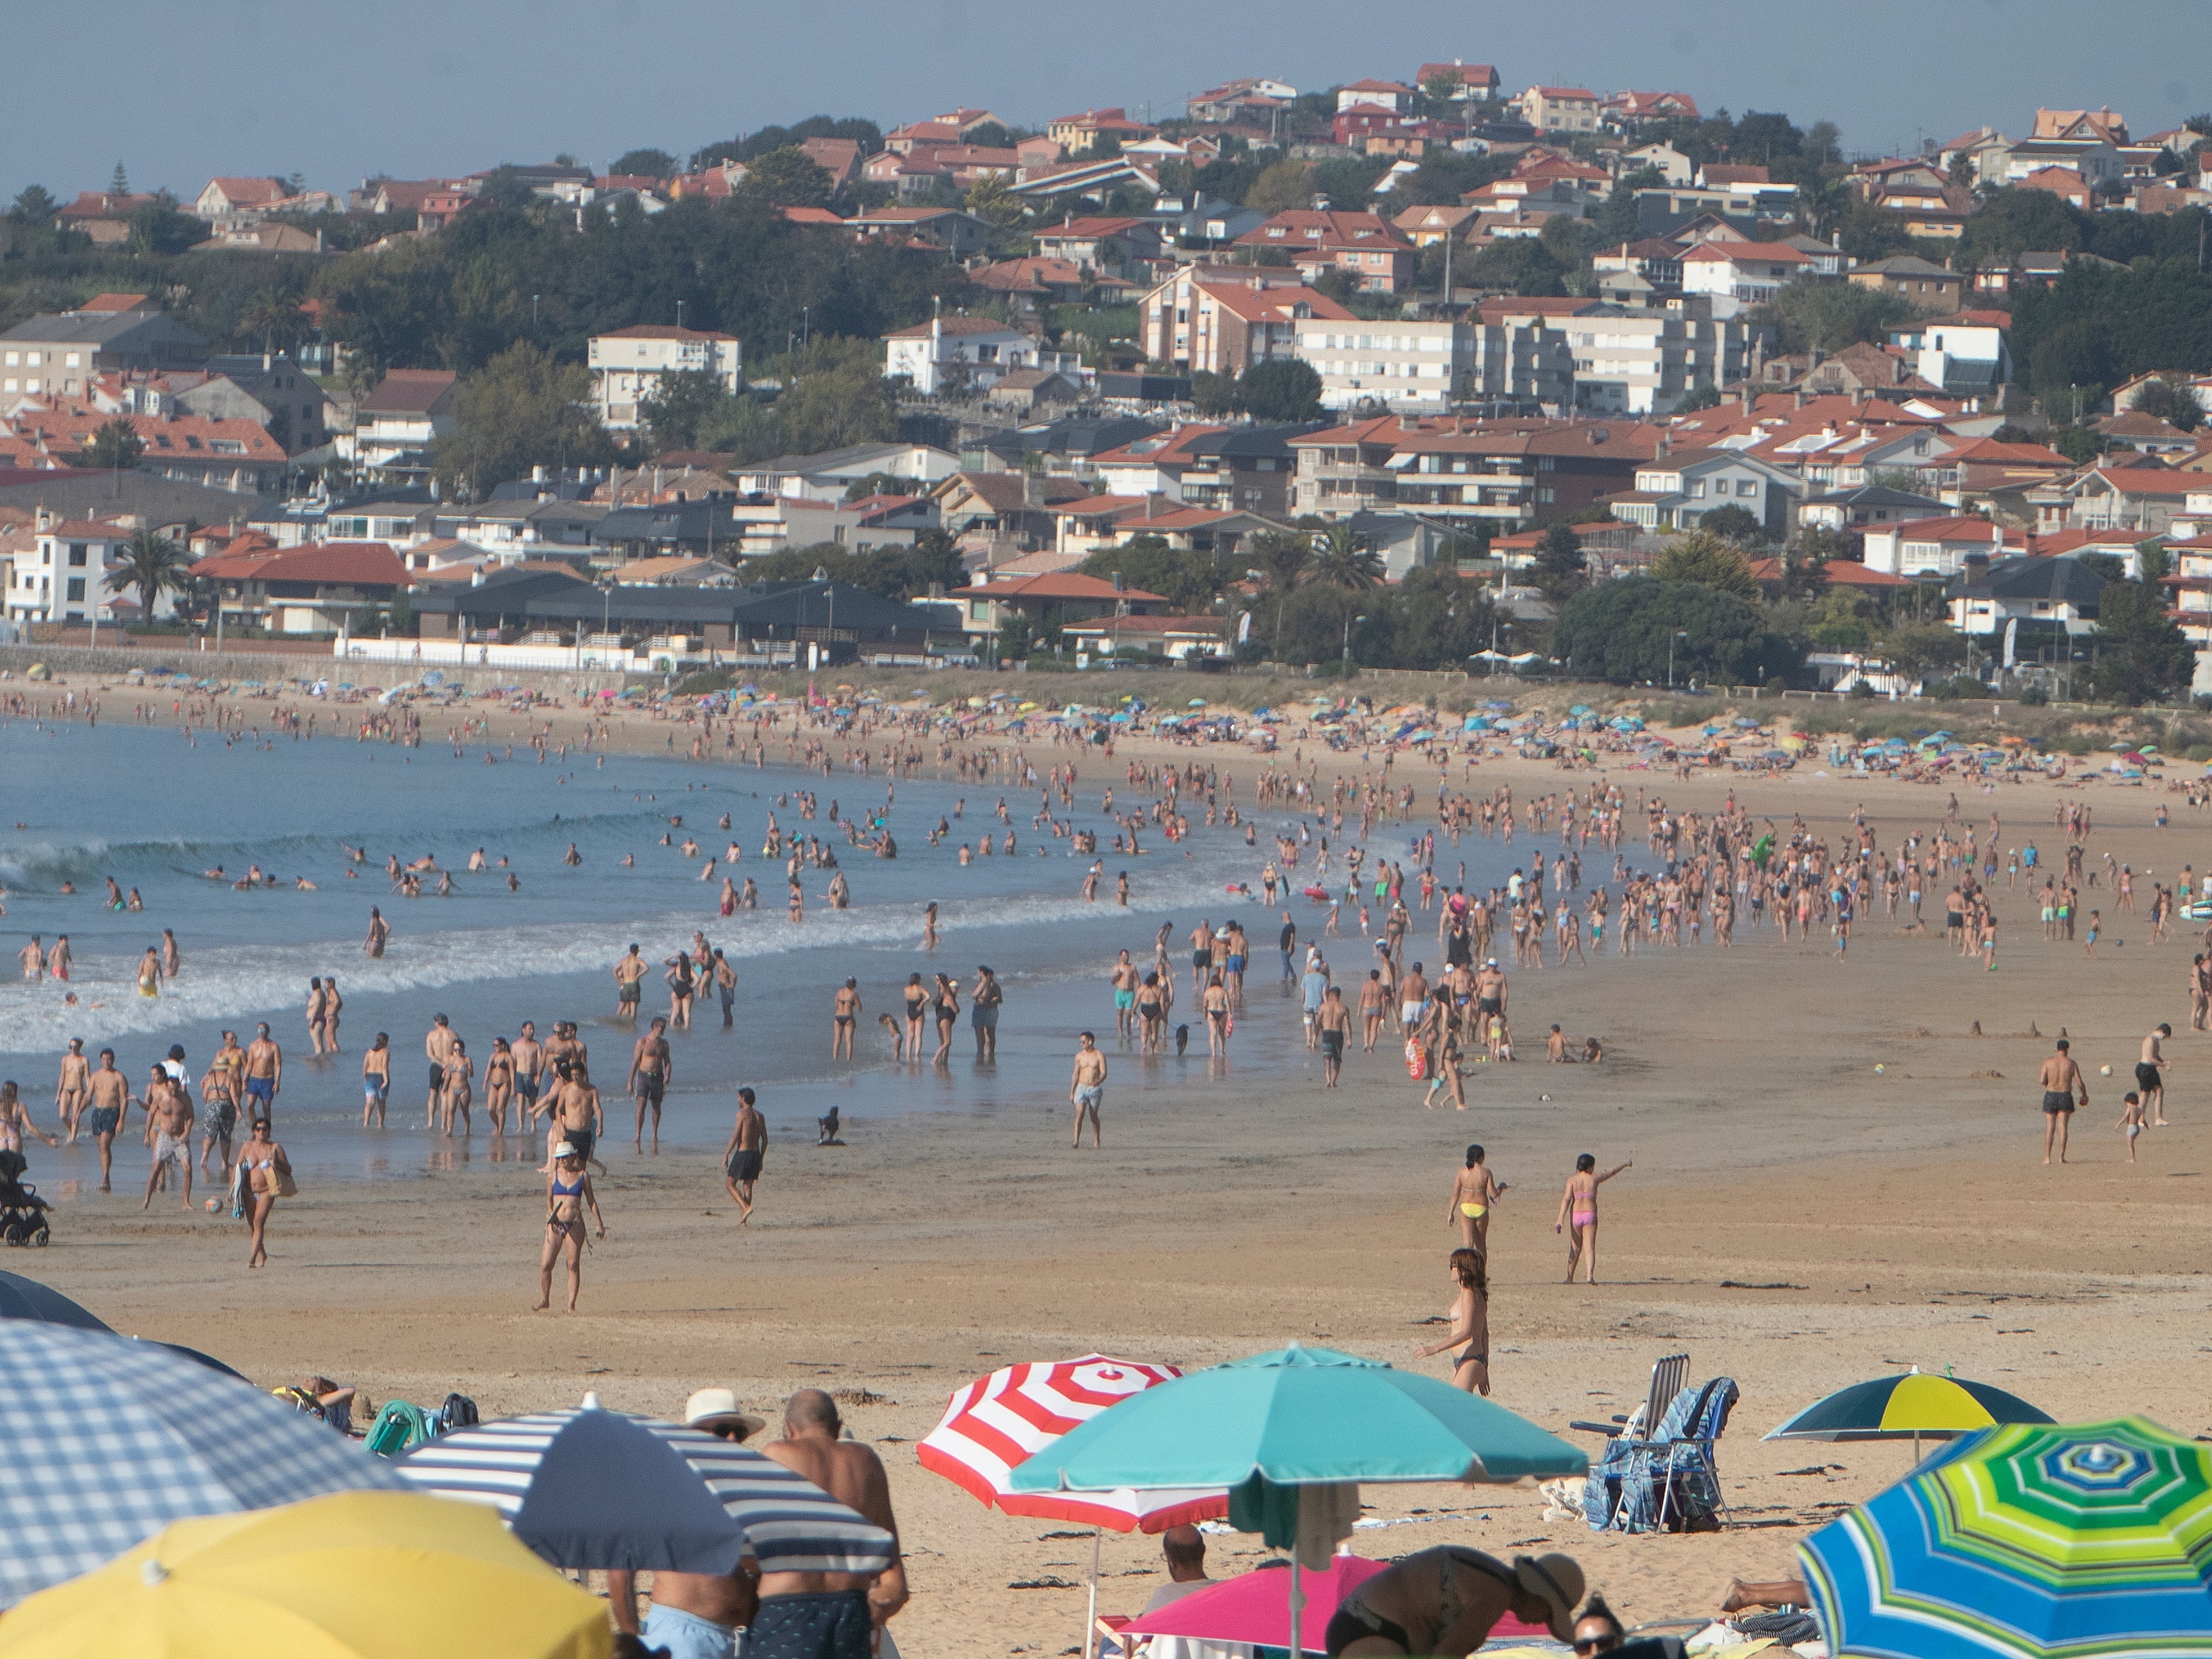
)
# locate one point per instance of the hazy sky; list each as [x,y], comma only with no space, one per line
[411,89]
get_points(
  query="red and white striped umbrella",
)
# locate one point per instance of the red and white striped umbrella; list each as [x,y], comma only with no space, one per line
[998,1421]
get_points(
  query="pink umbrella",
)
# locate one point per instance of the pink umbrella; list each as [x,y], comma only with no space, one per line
[1256,1607]
[998,1421]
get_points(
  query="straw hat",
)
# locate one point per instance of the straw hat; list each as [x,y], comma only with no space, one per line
[715,1408]
[564,1149]
[1556,1580]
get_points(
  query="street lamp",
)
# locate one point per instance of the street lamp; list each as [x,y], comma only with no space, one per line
[1678,634]
[1350,622]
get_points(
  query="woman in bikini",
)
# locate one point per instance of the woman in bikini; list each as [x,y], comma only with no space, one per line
[1469,1325]
[16,1121]
[1152,1021]
[266,1168]
[1578,1204]
[947,1005]
[917,1007]
[568,1193]
[499,1085]
[460,1085]
[1474,1189]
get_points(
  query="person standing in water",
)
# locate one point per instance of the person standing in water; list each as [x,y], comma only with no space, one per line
[1578,1204]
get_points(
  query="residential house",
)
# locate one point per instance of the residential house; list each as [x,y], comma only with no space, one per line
[1032,391]
[1857,370]
[838,157]
[1462,472]
[261,238]
[1561,109]
[772,524]
[103,216]
[1364,246]
[1117,246]
[1247,468]
[2197,386]
[1354,123]
[1065,597]
[1424,226]
[959,235]
[628,363]
[1670,164]
[1676,491]
[1865,506]
[228,202]
[1029,283]
[1392,95]
[2068,185]
[1002,514]
[1178,639]
[829,475]
[1415,368]
[1521,359]
[1460,81]
[1075,134]
[394,426]
[1936,546]
[1251,98]
[2100,125]
[1984,470]
[2147,433]
[321,589]
[1624,112]
[61,572]
[1213,320]
[957,354]
[1844,574]
[1930,204]
[1966,353]
[1989,599]
[2115,495]
[266,389]
[57,353]
[1741,275]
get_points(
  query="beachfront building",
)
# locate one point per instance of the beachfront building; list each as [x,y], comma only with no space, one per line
[60,574]
[318,589]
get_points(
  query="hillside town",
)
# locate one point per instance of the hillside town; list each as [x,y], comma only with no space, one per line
[1408,371]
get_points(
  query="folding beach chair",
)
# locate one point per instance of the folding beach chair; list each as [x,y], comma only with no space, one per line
[1668,1376]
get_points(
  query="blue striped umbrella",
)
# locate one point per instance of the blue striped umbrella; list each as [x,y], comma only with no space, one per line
[595,1488]
[105,1441]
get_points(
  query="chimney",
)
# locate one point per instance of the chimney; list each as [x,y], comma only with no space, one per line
[1032,488]
[1750,397]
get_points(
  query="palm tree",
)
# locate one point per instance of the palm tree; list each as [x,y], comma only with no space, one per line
[153,565]
[1281,556]
[1343,559]
[280,323]
[1825,202]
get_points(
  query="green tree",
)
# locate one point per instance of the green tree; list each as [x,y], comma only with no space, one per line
[2168,403]
[1435,619]
[157,227]
[1924,650]
[1213,394]
[1444,86]
[2078,444]
[1622,631]
[683,405]
[991,198]
[1014,637]
[119,181]
[835,394]
[1189,581]
[787,178]
[1558,572]
[1739,525]
[645,163]
[152,565]
[1704,395]
[1520,265]
[1282,557]
[1702,559]
[115,446]
[1343,559]
[33,209]
[1281,187]
[1819,313]
[521,410]
[275,319]
[1282,389]
[2151,554]
[2012,221]
[2142,656]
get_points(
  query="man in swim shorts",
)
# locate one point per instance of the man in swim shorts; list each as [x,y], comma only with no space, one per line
[263,1074]
[1333,1024]
[2062,1080]
[2150,1081]
[650,1064]
[1087,1088]
[109,1092]
[742,1157]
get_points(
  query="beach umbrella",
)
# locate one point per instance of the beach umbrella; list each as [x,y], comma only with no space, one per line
[26,1298]
[367,1574]
[108,1440]
[1269,1426]
[996,1422]
[2037,1540]
[595,1488]
[1252,1607]
[1911,1405]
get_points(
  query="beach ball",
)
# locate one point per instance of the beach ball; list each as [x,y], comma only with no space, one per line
[1880,1069]
[2104,1071]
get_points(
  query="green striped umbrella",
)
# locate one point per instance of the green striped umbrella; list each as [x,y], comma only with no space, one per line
[2027,1542]
[1908,1406]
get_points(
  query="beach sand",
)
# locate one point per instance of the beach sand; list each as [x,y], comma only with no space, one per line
[1793,1220]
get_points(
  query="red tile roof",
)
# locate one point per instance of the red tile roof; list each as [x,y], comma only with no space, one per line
[663,332]
[101,304]
[338,564]
[1841,572]
[1062,585]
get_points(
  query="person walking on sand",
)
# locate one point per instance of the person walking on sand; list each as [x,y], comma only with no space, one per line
[568,1194]
[108,1092]
[1474,1191]
[650,1067]
[1334,1023]
[1578,1205]
[265,1169]
[742,1157]
[1468,1326]
[1086,1089]
[2150,1079]
[844,1015]
[2062,1081]
[2131,1120]
[169,1131]
[263,1074]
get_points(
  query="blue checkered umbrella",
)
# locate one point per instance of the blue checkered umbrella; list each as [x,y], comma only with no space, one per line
[105,1441]
[595,1488]
[26,1298]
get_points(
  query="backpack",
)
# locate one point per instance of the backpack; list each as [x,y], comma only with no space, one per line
[460,1411]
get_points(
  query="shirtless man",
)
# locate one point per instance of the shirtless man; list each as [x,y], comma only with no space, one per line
[829,1613]
[1125,979]
[629,985]
[315,1013]
[650,1069]
[741,1158]
[375,1079]
[33,958]
[1488,994]
[262,1075]
[844,1015]
[698,1615]
[529,1056]
[58,959]
[168,1131]
[574,1113]
[1086,1087]
[1412,996]
[109,1092]
[437,1043]
[1333,1023]
[2062,1081]
[70,1092]
[2150,1080]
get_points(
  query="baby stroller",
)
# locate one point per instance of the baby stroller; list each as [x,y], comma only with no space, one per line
[22,1211]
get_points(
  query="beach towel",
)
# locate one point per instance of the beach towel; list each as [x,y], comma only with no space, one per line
[399,1427]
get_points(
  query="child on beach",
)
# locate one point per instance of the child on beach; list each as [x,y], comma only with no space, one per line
[2131,1120]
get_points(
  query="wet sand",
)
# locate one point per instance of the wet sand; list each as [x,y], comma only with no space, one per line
[1793,1220]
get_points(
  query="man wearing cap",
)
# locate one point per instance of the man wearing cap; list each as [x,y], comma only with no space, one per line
[1446,1600]
[695,1615]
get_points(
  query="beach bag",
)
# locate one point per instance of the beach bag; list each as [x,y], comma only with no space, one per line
[286,1187]
[460,1411]
[399,1427]
[1417,1058]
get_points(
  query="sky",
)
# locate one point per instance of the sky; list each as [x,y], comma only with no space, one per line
[411,89]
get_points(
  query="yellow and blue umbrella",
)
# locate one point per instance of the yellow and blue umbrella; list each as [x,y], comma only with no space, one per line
[2027,1542]
[1911,1405]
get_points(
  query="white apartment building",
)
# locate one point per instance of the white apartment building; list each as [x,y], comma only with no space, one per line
[1642,363]
[956,354]
[627,366]
[62,575]
[1406,367]
[1523,360]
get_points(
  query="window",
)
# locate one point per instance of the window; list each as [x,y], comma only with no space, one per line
[14,358]
[76,555]
[70,361]
[31,358]
[76,589]
[1746,487]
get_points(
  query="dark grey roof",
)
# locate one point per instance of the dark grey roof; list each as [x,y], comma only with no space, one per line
[681,521]
[162,501]
[554,596]
[1907,264]
[137,329]
[1873,496]
[1254,442]
[2061,580]
[850,455]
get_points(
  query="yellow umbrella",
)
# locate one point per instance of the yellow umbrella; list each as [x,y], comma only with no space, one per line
[357,1575]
